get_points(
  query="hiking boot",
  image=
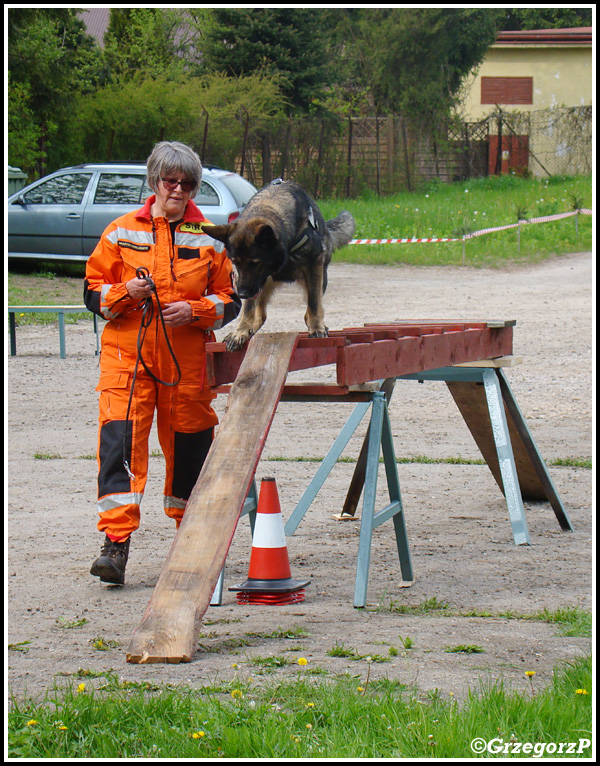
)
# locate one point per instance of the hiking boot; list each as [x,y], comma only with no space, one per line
[110,566]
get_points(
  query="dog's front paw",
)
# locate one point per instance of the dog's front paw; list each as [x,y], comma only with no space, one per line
[236,340]
[322,332]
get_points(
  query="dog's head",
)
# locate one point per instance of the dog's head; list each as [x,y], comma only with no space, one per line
[255,252]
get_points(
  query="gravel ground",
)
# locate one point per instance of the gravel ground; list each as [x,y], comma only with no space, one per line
[461,541]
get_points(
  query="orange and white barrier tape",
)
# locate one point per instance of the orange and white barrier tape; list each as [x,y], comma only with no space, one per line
[405,241]
[470,235]
[540,219]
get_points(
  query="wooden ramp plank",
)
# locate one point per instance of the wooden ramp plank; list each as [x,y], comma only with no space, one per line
[170,626]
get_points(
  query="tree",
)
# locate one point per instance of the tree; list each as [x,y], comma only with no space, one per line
[23,132]
[123,120]
[517,19]
[155,41]
[289,43]
[50,60]
[415,59]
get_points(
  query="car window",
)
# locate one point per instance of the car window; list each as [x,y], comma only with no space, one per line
[66,189]
[242,190]
[119,189]
[207,195]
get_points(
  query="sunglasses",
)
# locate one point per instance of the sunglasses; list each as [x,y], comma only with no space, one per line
[171,184]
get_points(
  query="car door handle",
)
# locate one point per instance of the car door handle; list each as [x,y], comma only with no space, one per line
[73,216]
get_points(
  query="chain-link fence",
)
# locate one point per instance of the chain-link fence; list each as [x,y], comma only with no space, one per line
[555,141]
[385,155]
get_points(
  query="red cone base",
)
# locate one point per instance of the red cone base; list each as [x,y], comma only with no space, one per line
[277,599]
[288,591]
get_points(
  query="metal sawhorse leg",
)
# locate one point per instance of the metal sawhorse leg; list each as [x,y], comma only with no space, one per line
[249,507]
[379,439]
[502,435]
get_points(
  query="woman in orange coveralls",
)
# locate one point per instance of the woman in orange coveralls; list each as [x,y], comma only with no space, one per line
[193,281]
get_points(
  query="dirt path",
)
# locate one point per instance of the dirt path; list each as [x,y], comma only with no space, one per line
[461,542]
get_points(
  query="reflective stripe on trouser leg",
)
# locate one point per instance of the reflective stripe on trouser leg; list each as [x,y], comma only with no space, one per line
[119,495]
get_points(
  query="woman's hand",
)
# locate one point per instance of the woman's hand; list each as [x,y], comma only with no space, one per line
[177,314]
[138,289]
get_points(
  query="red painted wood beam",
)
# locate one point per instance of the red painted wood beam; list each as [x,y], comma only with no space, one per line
[373,352]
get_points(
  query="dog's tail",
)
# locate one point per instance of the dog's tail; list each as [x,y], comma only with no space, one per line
[341,229]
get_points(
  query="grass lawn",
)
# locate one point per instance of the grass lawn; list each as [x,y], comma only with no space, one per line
[306,717]
[451,210]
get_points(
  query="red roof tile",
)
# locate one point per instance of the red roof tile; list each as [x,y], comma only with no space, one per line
[571,36]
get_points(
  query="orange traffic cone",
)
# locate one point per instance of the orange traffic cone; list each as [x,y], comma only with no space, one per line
[269,575]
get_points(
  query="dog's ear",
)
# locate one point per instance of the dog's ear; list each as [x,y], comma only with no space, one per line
[222,233]
[266,238]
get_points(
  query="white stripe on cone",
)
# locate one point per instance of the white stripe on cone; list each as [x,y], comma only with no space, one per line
[268,531]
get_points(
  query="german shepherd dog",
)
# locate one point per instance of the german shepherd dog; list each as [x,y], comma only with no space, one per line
[281,236]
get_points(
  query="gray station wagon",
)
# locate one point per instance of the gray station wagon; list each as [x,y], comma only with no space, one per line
[62,216]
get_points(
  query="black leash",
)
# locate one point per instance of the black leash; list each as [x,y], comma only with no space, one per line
[147,306]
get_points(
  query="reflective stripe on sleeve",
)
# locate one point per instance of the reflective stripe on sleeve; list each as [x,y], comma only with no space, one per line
[106,312]
[220,310]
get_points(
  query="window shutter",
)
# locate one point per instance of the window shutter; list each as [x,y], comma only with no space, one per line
[507,90]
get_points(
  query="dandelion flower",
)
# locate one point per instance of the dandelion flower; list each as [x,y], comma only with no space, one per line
[581,691]
[198,735]
[310,704]
[530,673]
[237,694]
[360,689]
[302,661]
[33,722]
[81,688]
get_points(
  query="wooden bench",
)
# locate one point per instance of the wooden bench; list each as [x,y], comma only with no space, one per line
[60,310]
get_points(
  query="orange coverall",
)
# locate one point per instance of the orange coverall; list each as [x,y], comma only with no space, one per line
[185,264]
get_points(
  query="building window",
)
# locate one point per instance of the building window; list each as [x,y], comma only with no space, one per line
[507,90]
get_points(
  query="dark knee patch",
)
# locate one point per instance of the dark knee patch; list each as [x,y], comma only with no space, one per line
[115,446]
[190,451]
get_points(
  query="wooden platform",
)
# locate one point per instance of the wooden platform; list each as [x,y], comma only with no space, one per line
[376,352]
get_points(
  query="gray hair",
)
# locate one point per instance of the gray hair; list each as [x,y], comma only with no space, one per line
[172,157]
